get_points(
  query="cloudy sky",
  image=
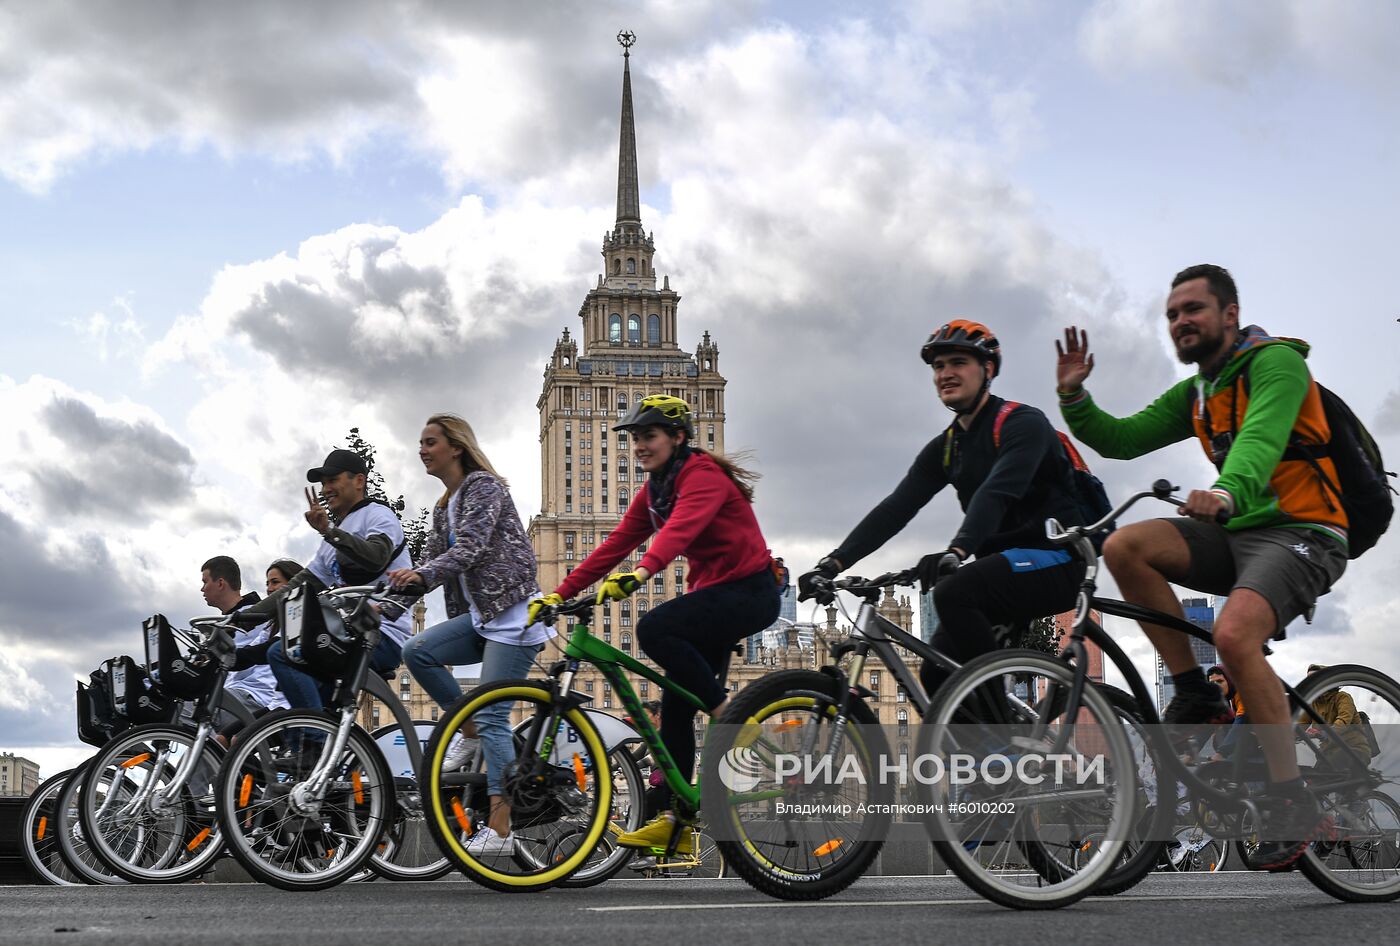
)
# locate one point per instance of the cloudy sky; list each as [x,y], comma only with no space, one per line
[233,232]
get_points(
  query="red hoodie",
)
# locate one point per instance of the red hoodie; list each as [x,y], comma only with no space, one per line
[711,524]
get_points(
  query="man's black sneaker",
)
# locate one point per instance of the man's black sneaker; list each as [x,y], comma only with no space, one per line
[1191,712]
[1290,825]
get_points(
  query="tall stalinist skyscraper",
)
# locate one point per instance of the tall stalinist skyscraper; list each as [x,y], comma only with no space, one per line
[631,348]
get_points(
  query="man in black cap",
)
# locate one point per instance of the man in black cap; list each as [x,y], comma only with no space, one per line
[362,539]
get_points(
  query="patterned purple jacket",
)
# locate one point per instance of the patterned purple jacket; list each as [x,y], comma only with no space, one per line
[491,551]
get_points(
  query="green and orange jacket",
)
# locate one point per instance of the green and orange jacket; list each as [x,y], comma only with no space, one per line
[1265,397]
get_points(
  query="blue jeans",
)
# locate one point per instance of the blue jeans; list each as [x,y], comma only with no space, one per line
[304,691]
[456,642]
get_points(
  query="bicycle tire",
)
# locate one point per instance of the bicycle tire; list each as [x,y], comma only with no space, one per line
[77,854]
[292,844]
[193,826]
[1048,880]
[626,772]
[540,792]
[831,861]
[39,843]
[407,850]
[1337,876]
[1148,842]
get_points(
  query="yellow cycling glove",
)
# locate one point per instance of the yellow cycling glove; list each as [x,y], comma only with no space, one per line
[539,604]
[618,586]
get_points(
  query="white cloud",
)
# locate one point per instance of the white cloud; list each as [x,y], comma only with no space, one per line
[317,77]
[1240,43]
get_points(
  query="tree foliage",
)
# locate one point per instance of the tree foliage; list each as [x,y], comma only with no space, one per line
[415,527]
[1043,635]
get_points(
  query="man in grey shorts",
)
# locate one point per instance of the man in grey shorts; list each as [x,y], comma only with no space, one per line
[1283,543]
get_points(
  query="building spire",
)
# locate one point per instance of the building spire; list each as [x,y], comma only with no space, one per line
[629,205]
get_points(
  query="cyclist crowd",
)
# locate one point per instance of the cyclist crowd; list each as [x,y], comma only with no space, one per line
[1270,535]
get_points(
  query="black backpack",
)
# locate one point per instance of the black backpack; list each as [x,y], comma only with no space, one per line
[1371,742]
[1087,491]
[1362,486]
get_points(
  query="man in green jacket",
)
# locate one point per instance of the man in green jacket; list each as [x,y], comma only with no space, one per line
[1284,543]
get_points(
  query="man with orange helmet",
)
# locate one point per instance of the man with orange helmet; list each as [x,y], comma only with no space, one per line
[1010,473]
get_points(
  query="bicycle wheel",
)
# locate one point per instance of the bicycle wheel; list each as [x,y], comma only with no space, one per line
[1031,810]
[558,785]
[39,834]
[149,787]
[1193,849]
[1148,838]
[296,813]
[406,851]
[802,836]
[73,846]
[1360,865]
[709,860]
[607,858]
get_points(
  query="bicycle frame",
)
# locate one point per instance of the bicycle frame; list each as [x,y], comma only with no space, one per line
[583,647]
[1085,628]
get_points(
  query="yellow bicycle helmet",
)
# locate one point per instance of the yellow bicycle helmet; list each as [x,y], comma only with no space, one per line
[659,410]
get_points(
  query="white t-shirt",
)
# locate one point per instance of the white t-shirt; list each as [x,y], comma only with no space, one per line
[369,519]
[256,681]
[508,627]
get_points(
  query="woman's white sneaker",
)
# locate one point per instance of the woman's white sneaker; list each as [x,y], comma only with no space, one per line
[487,843]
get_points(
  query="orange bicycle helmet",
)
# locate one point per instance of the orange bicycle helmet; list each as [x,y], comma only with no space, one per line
[964,335]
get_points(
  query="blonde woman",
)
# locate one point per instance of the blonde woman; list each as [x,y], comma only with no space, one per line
[479,554]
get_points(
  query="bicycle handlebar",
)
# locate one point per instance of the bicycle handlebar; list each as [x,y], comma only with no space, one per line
[1161,489]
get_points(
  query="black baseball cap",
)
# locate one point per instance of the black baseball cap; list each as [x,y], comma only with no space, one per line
[337,461]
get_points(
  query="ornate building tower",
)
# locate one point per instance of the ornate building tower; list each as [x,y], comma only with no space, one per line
[628,346]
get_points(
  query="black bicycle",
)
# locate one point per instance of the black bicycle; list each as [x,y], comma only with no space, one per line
[1044,701]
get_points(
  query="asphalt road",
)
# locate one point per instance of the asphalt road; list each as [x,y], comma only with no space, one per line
[1233,909]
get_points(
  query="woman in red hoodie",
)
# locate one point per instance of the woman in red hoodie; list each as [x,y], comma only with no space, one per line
[700,505]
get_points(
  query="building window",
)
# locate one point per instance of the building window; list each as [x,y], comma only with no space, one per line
[634,329]
[622,497]
[653,330]
[404,687]
[374,716]
[875,683]
[631,266]
[626,640]
[900,696]
[588,686]
[902,721]
[615,327]
[435,714]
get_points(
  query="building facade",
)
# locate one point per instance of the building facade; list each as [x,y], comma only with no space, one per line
[18,775]
[1200,612]
[628,345]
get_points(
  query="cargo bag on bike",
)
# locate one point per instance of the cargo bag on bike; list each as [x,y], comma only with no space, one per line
[315,635]
[134,695]
[171,665]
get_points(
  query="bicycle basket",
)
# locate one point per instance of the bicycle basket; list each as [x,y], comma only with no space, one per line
[314,635]
[134,696]
[179,675]
[94,706]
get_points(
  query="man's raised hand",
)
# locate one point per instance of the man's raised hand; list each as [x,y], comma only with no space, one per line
[316,515]
[1074,362]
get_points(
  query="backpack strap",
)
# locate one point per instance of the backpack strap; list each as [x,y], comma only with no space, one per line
[1006,408]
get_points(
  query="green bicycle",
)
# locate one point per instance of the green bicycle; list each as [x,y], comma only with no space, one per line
[560,783]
